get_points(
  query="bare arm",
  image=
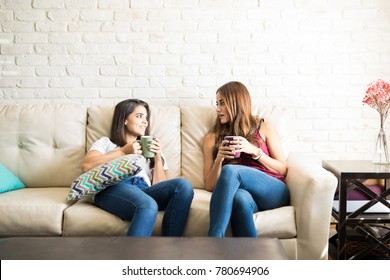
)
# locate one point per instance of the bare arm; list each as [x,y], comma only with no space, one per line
[212,168]
[159,173]
[276,162]
[95,158]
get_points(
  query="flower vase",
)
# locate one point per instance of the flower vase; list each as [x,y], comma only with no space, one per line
[381,152]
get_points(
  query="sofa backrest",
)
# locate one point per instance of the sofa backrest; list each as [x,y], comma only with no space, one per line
[43,144]
[198,120]
[164,124]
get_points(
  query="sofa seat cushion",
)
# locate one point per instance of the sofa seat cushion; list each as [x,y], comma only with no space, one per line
[33,212]
[85,219]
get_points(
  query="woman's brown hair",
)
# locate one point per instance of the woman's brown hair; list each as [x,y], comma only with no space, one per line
[239,107]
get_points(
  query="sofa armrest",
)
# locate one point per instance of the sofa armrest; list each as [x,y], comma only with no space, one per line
[312,190]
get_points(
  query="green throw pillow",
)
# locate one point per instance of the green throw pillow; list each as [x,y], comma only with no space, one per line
[105,175]
[8,181]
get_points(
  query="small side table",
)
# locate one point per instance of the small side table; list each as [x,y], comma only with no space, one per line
[352,174]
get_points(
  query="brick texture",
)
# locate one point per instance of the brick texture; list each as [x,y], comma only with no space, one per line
[315,58]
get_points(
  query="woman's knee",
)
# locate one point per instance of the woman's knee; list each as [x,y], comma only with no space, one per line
[148,207]
[243,200]
[184,186]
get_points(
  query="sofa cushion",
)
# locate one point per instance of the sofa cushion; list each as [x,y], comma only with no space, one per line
[84,218]
[8,181]
[105,175]
[33,212]
[43,144]
[164,124]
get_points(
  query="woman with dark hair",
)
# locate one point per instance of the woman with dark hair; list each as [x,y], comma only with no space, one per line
[139,198]
[250,183]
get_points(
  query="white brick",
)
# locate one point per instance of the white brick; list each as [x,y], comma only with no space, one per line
[82,93]
[181,4]
[47,26]
[66,82]
[44,4]
[112,4]
[34,15]
[132,82]
[114,48]
[8,82]
[197,59]
[64,60]
[138,59]
[50,93]
[17,71]
[50,49]
[98,60]
[15,26]
[147,70]
[212,4]
[6,16]
[82,71]
[129,15]
[165,59]
[77,4]
[119,26]
[50,71]
[15,4]
[169,37]
[180,25]
[6,38]
[182,70]
[63,15]
[215,25]
[15,49]
[31,60]
[149,48]
[181,93]
[65,38]
[183,49]
[81,26]
[30,38]
[32,83]
[115,71]
[20,93]
[199,82]
[342,136]
[127,37]
[96,15]
[116,93]
[166,82]
[98,82]
[162,15]
[144,93]
[100,37]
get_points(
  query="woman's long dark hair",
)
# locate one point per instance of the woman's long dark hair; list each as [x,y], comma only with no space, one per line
[122,110]
[239,107]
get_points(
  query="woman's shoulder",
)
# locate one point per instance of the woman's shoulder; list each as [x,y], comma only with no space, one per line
[103,145]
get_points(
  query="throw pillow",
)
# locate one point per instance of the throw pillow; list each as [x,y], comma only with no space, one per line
[8,181]
[105,175]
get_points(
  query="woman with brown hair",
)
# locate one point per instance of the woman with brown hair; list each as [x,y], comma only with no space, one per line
[246,174]
[139,198]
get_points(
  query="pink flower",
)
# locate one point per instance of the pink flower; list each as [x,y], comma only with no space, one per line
[378,97]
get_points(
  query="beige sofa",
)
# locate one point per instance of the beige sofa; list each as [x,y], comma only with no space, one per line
[44,145]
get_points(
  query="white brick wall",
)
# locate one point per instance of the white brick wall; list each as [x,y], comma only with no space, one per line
[313,57]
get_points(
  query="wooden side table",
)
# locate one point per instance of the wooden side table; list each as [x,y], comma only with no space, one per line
[352,174]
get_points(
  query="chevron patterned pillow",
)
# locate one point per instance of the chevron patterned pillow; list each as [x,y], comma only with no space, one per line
[105,175]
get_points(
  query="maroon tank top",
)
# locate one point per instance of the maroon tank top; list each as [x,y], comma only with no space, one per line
[247,160]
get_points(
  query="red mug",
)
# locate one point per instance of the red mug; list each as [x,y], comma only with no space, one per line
[230,138]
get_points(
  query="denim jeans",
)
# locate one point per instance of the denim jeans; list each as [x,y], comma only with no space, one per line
[133,200]
[239,192]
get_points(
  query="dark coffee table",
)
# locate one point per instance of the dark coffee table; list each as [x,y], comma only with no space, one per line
[133,248]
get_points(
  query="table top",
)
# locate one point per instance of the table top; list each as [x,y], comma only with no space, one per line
[136,248]
[357,168]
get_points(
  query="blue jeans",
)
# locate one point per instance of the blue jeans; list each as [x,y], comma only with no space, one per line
[133,200]
[240,192]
